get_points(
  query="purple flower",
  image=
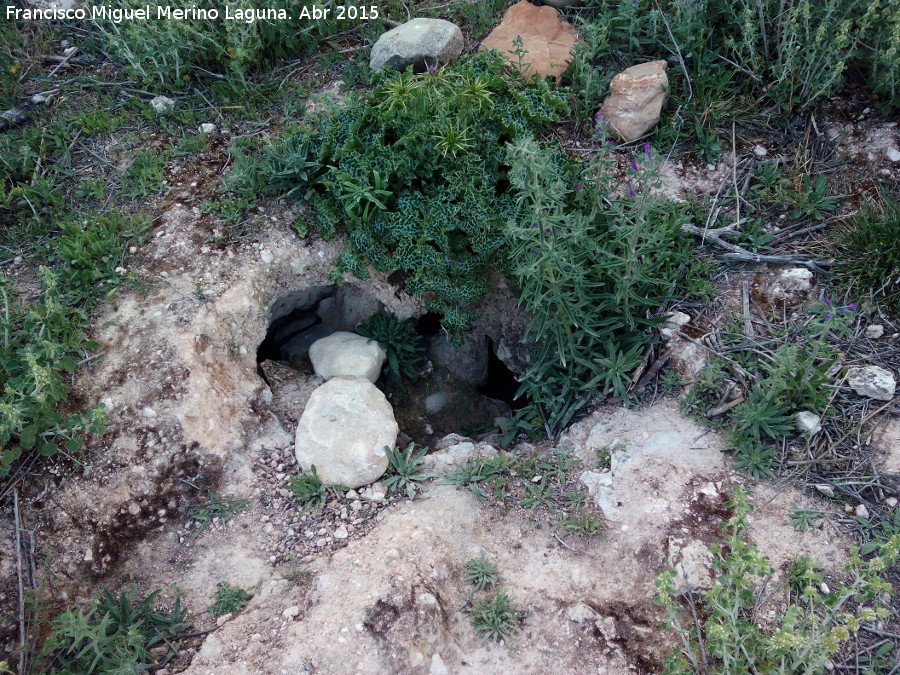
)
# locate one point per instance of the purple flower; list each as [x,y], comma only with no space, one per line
[826,300]
[829,315]
[577,186]
[851,306]
[630,189]
[647,149]
[534,224]
[599,117]
[431,69]
[610,142]
[634,165]
[548,230]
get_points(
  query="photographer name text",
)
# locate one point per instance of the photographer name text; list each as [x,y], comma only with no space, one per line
[246,14]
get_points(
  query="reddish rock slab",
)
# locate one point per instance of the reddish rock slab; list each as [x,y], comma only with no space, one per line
[545,36]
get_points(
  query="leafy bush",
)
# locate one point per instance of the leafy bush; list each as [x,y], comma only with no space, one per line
[309,490]
[113,635]
[401,345]
[595,260]
[37,345]
[727,637]
[794,52]
[229,600]
[481,573]
[415,171]
[406,472]
[172,52]
[495,617]
[882,51]
[791,378]
[868,253]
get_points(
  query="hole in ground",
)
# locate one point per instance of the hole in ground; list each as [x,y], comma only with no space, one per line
[458,390]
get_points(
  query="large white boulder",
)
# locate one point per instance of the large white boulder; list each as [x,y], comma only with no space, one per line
[344,354]
[419,43]
[343,432]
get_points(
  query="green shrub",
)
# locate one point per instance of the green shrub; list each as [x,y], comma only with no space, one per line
[794,52]
[406,472]
[229,600]
[727,638]
[309,490]
[882,51]
[414,169]
[113,636]
[173,52]
[495,617]
[37,344]
[481,573]
[401,345]
[868,254]
[595,259]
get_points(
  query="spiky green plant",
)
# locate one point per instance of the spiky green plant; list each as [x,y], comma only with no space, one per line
[403,348]
[868,253]
[406,471]
[495,617]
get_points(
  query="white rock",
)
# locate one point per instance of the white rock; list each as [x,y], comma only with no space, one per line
[374,493]
[826,490]
[341,532]
[460,453]
[891,502]
[893,154]
[875,331]
[344,431]
[291,612]
[266,256]
[436,402]
[636,99]
[437,666]
[862,511]
[669,329]
[796,279]
[873,382]
[581,612]
[206,128]
[344,354]
[162,103]
[222,620]
[692,562]
[418,43]
[760,151]
[807,423]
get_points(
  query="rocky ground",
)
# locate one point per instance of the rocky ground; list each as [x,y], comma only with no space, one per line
[372,582]
[369,586]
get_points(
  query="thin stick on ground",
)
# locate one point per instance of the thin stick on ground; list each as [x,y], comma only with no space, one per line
[18,525]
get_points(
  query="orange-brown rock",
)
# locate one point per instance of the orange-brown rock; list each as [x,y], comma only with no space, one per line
[547,39]
[637,99]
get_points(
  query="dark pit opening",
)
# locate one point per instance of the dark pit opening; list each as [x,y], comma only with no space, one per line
[429,324]
[284,330]
[466,390]
[501,383]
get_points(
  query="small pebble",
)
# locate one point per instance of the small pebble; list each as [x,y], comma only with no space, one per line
[874,331]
